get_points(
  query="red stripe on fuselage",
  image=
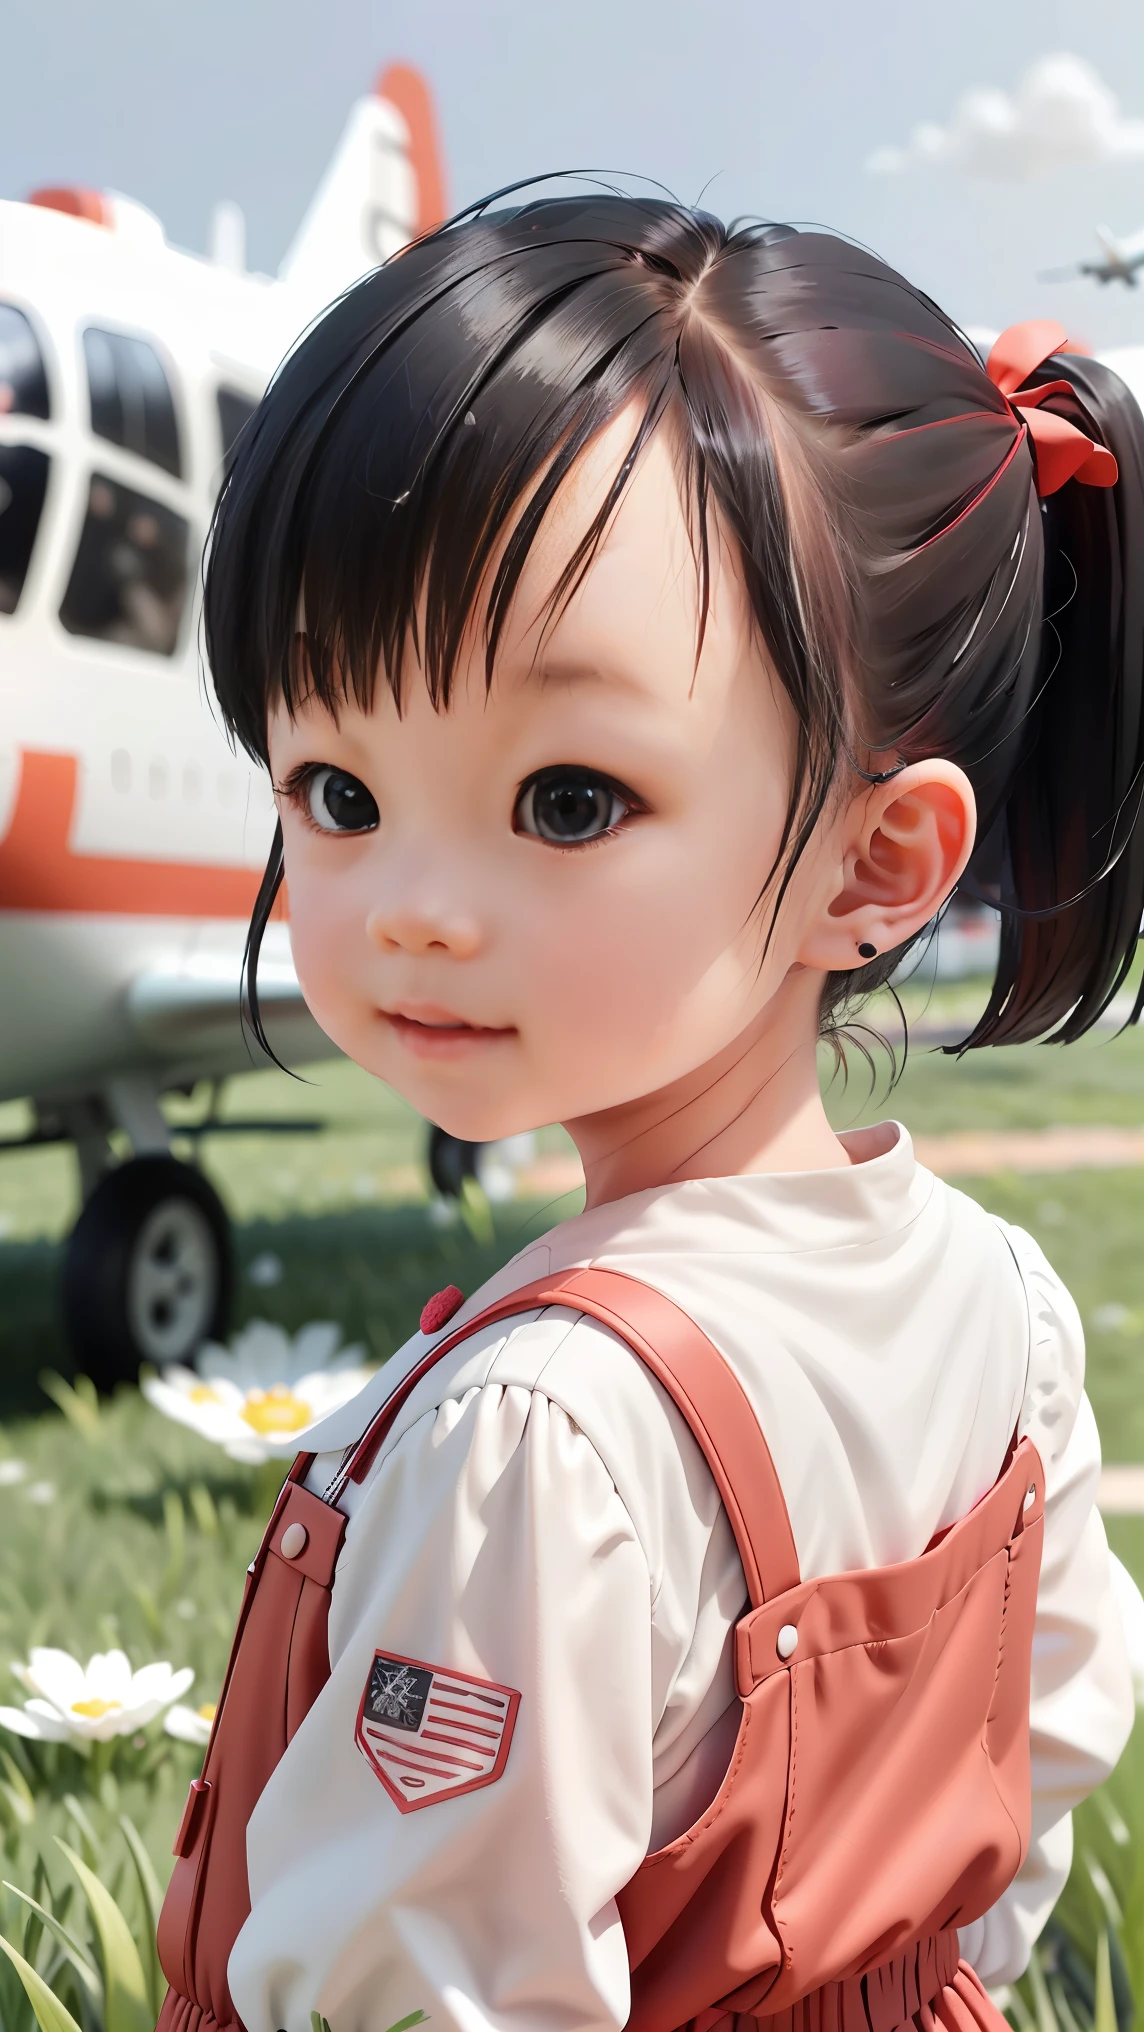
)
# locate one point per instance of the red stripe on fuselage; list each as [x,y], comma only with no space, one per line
[40,872]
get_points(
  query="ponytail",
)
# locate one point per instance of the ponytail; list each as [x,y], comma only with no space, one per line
[1066,856]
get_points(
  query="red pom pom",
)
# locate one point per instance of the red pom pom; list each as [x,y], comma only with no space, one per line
[440,1308]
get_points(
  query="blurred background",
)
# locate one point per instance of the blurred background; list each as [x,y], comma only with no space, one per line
[205,180]
[764,108]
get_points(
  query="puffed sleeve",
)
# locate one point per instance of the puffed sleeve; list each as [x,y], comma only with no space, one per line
[1082,1705]
[490,1541]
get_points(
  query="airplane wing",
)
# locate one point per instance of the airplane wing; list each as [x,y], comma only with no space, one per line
[189,1013]
[384,186]
[1120,246]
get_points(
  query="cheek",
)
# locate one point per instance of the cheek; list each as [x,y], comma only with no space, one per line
[649,963]
[326,930]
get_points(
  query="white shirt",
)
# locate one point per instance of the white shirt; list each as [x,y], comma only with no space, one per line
[541,1517]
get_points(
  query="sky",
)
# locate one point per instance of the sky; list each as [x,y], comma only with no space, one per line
[766,108]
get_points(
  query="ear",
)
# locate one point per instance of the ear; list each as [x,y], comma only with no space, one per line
[902,846]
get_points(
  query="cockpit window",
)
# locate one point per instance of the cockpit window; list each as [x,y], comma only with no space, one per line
[129,579]
[23,381]
[131,400]
[234,413]
[23,484]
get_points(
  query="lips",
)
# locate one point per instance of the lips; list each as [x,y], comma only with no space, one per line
[430,1016]
[430,1031]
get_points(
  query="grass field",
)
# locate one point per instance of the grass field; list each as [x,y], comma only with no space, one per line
[120,1529]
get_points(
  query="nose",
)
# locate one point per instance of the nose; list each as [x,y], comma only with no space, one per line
[423,927]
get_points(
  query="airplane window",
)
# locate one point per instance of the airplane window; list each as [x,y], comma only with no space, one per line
[23,382]
[131,400]
[129,579]
[234,410]
[23,484]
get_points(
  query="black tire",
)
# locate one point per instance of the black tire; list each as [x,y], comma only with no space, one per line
[451,1161]
[149,1270]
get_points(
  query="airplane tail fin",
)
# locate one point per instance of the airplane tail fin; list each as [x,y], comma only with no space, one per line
[384,186]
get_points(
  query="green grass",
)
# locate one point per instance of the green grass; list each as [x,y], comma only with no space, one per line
[144,1533]
[1099,1080]
[142,1543]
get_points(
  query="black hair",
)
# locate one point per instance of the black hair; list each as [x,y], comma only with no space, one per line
[913,594]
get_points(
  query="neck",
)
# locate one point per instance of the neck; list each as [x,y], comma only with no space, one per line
[755,1106]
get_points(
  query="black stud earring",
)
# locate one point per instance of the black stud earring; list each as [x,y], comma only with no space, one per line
[866,951]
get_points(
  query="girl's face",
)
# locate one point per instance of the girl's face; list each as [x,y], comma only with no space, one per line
[540,904]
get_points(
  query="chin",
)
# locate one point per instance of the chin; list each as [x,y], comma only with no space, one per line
[466,1112]
[472,1121]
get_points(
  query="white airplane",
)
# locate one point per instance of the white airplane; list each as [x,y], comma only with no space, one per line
[1121,260]
[131,836]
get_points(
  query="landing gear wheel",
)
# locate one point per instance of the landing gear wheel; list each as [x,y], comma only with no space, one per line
[148,1271]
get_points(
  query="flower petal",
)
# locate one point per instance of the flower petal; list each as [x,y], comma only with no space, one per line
[180,1682]
[159,1683]
[117,1721]
[354,1356]
[315,1345]
[55,1674]
[137,1716]
[253,1451]
[44,1726]
[186,1726]
[109,1677]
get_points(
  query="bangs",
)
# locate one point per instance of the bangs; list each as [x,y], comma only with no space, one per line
[421,431]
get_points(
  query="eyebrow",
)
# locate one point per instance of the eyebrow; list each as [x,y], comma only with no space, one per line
[574,670]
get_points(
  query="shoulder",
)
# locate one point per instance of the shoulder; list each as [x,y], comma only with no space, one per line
[643,1440]
[1009,1265]
[509,1375]
[1054,1383]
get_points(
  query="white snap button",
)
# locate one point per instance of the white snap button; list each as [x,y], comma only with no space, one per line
[294,1541]
[787,1639]
[1032,1496]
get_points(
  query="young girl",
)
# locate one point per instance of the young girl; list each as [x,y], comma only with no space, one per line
[647,626]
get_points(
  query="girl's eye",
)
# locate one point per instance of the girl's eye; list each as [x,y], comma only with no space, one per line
[566,807]
[339,803]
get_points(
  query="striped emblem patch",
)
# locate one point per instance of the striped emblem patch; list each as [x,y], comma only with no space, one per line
[430,1733]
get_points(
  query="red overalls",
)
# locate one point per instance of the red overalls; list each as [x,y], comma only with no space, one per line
[878,1794]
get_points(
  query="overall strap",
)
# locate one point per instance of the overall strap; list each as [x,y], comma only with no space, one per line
[696,1377]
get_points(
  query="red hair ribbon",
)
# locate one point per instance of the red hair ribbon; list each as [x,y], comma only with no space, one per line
[1060,451]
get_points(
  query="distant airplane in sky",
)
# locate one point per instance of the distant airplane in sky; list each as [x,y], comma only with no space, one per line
[1121,261]
[131,836]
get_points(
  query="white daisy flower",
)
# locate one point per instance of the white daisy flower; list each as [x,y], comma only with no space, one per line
[255,1397]
[81,1705]
[190,1724]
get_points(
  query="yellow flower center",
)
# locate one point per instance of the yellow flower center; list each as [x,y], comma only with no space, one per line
[208,1711]
[276,1410]
[94,1710]
[203,1393]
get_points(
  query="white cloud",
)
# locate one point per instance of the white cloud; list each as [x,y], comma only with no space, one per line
[1061,113]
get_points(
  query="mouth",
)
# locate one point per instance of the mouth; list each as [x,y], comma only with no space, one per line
[431,1032]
